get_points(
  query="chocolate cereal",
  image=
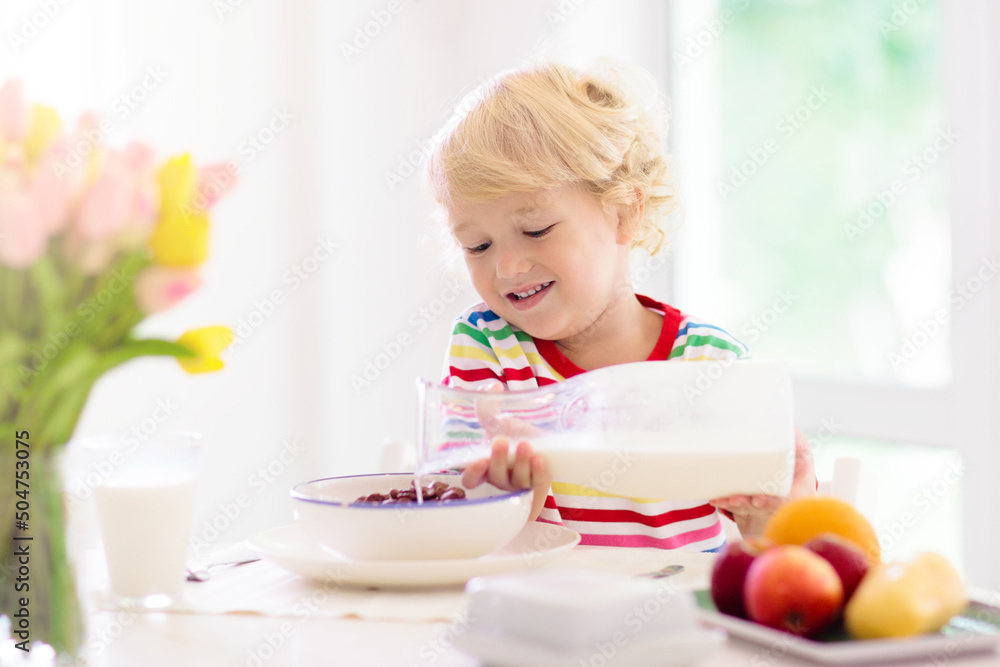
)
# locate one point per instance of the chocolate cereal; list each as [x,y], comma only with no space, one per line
[432,492]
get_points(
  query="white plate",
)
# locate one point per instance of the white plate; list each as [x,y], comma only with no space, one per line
[290,548]
[672,650]
[974,630]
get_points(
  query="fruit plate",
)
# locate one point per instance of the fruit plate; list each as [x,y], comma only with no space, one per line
[975,629]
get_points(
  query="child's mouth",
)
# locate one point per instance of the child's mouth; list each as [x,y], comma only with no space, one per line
[527,298]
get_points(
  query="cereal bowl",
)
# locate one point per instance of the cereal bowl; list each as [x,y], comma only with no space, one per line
[329,511]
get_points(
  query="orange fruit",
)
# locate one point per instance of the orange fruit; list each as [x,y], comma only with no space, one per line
[801,519]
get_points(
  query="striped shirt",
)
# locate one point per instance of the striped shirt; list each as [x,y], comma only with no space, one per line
[485,347]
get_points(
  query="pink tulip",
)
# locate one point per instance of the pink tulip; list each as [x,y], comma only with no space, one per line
[14,157]
[145,195]
[55,165]
[52,194]
[145,205]
[74,154]
[106,208]
[94,236]
[22,239]
[90,256]
[160,287]
[140,158]
[12,180]
[88,125]
[214,181]
[13,111]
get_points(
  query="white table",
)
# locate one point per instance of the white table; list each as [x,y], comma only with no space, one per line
[150,639]
[188,640]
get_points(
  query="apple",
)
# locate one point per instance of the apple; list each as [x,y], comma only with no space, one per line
[846,558]
[791,588]
[730,571]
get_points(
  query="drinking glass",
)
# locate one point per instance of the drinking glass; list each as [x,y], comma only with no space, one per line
[145,494]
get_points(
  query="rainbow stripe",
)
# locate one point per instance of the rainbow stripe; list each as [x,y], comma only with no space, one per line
[484,347]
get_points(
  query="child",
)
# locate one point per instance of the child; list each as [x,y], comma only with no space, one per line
[548,182]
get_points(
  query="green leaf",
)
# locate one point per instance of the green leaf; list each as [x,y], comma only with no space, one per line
[51,291]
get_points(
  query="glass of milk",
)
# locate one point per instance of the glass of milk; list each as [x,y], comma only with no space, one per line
[144,495]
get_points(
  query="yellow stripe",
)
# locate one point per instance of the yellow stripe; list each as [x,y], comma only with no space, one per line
[704,358]
[536,359]
[474,352]
[567,489]
[516,353]
[471,352]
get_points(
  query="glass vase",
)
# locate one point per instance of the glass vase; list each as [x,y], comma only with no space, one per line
[38,594]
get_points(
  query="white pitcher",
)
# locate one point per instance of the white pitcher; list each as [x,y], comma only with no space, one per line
[651,429]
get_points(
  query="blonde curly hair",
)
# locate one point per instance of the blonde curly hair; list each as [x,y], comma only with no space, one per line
[549,125]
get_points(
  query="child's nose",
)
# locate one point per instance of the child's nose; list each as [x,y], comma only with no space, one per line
[511,263]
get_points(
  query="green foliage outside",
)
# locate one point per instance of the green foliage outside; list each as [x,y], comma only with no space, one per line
[873,74]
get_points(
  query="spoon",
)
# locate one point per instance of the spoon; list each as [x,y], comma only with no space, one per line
[203,574]
[668,571]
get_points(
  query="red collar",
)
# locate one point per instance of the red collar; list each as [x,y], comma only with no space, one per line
[661,351]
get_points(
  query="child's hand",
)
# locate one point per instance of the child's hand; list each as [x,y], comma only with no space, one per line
[529,471]
[751,512]
[495,422]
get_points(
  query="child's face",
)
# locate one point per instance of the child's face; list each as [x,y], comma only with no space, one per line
[548,262]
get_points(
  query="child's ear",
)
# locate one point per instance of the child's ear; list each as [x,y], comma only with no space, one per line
[630,218]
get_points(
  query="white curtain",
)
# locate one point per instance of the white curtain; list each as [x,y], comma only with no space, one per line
[320,259]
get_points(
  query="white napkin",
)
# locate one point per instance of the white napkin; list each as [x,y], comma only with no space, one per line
[267,589]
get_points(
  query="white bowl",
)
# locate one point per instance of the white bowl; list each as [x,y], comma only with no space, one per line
[485,521]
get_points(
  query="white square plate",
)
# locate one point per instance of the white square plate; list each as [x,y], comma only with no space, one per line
[976,629]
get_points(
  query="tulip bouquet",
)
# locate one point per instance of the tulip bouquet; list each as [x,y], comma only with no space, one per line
[92,240]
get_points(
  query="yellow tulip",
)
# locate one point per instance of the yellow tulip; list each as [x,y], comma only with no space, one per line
[206,343]
[177,180]
[45,127]
[181,240]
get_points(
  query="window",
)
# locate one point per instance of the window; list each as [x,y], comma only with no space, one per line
[835,158]
[829,198]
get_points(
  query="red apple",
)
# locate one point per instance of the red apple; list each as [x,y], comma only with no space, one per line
[790,588]
[730,571]
[846,558]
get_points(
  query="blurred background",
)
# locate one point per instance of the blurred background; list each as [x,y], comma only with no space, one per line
[837,162]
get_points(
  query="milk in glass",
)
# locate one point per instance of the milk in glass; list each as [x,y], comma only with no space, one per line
[145,526]
[145,510]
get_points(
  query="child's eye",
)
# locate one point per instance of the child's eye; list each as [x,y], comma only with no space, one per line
[540,232]
[476,250]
